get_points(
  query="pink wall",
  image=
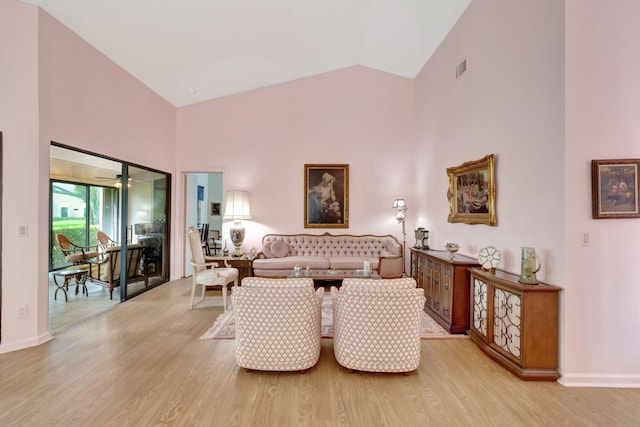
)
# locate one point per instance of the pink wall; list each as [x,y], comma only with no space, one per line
[60,89]
[261,140]
[602,109]
[512,101]
[19,125]
[509,103]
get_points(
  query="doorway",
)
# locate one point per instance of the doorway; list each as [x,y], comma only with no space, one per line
[203,205]
[129,204]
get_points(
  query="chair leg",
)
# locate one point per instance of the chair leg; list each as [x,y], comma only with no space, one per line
[224,296]
[193,294]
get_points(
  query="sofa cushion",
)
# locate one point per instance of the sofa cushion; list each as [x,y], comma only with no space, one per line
[351,263]
[280,249]
[287,263]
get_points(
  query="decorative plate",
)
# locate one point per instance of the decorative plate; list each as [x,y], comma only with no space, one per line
[489,257]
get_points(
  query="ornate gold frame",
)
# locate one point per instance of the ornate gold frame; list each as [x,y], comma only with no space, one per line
[472,200]
[329,218]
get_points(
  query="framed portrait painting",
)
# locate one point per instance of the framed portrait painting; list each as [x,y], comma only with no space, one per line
[215,209]
[472,192]
[326,196]
[614,185]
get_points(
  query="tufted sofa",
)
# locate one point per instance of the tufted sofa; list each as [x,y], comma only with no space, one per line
[376,324]
[281,252]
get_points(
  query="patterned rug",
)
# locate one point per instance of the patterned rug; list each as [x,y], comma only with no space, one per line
[224,327]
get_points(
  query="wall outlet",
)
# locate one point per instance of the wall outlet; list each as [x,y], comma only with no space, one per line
[23,311]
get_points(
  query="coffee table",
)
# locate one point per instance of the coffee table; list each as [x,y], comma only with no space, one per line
[333,277]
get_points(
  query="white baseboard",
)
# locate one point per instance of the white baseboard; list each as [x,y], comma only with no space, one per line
[6,347]
[600,380]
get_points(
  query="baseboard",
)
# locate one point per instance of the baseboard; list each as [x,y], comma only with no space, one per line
[600,380]
[7,347]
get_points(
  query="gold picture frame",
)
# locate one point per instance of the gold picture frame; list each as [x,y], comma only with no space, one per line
[326,196]
[472,192]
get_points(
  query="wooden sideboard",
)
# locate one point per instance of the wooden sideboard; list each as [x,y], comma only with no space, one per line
[445,281]
[516,324]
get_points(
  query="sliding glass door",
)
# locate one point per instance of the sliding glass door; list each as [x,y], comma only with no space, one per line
[147,208]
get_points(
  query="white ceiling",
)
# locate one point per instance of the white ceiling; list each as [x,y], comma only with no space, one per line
[190,51]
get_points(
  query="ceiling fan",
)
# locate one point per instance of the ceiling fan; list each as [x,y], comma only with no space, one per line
[118,180]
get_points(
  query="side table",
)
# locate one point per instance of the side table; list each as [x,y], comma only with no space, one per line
[243,264]
[66,275]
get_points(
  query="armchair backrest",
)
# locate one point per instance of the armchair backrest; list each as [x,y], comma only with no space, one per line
[104,240]
[195,244]
[109,271]
[64,243]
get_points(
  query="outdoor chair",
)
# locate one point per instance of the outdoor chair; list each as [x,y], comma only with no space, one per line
[104,241]
[75,254]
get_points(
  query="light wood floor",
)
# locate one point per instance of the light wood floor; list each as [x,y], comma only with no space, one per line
[142,364]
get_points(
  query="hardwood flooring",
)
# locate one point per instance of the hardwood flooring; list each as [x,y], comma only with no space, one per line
[142,364]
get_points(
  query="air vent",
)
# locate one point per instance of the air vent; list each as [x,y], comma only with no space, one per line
[460,69]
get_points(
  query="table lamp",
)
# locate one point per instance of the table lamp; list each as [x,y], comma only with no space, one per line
[237,208]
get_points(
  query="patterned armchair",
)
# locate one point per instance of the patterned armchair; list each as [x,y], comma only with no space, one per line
[376,324]
[278,323]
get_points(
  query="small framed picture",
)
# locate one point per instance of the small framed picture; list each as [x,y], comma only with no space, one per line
[215,209]
[614,186]
[326,196]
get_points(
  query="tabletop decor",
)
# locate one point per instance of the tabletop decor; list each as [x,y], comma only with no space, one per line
[489,258]
[614,185]
[472,192]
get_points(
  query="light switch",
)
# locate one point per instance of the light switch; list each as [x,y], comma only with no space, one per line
[23,230]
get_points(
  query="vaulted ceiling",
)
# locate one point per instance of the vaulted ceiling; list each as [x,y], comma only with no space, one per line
[189,51]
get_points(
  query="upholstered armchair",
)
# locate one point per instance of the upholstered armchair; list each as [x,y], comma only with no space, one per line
[278,323]
[207,272]
[376,324]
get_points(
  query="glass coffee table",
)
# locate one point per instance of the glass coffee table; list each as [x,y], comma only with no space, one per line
[333,277]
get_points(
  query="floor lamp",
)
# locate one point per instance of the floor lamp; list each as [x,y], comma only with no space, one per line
[401,214]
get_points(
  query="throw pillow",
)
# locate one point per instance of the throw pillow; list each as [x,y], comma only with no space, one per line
[266,250]
[280,248]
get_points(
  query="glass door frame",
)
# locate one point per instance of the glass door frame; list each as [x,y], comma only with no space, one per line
[125,220]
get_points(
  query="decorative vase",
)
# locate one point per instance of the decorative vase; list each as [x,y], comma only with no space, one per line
[530,265]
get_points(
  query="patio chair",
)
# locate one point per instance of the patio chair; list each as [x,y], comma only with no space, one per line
[104,241]
[75,254]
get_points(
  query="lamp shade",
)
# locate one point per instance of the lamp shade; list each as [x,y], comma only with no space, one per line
[237,205]
[399,203]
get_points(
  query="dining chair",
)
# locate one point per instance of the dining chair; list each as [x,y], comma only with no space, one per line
[204,239]
[206,272]
[215,243]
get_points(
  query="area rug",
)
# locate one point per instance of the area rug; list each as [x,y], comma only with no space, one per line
[225,325]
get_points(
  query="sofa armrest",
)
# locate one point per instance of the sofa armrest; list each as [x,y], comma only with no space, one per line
[390,267]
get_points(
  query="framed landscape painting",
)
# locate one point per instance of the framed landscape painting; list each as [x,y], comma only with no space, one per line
[614,185]
[326,196]
[472,192]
